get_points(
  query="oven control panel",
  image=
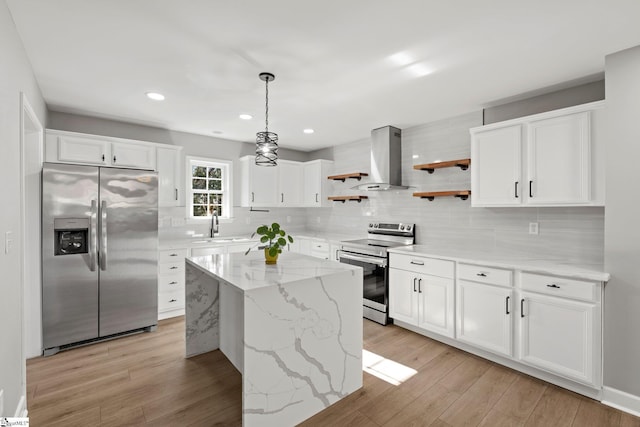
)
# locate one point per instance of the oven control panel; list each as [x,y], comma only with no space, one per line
[382,227]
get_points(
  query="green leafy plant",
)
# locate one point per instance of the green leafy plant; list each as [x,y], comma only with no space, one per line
[276,237]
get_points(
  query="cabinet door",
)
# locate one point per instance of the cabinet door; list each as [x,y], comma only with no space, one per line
[496,167]
[311,192]
[289,183]
[168,164]
[263,185]
[132,155]
[403,301]
[484,315]
[559,335]
[86,151]
[559,160]
[435,304]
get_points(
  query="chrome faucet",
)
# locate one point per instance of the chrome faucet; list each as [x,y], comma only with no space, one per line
[215,224]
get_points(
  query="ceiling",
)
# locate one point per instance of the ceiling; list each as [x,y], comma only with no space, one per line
[342,67]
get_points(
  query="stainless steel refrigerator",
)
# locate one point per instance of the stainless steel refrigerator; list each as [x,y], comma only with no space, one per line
[99,253]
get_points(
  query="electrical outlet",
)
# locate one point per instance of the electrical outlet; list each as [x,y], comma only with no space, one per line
[8,242]
[1,403]
[533,228]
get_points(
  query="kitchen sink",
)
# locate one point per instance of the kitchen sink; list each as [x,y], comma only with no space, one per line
[222,240]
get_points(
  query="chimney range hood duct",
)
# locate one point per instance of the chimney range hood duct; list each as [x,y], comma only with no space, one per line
[386,158]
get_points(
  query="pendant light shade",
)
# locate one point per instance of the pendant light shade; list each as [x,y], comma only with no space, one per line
[266,142]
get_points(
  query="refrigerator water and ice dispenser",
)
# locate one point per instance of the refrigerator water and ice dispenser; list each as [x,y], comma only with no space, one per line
[71,236]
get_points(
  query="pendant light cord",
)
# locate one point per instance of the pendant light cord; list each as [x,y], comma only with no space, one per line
[266,106]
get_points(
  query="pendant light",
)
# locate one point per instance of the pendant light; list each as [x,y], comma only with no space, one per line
[266,142]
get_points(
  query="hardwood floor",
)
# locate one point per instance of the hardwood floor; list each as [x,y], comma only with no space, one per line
[144,380]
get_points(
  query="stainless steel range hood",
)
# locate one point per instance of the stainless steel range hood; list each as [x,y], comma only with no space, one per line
[386,160]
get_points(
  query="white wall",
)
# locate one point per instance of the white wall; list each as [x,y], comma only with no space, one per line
[622,239]
[17,76]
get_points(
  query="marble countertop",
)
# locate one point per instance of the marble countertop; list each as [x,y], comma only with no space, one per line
[249,272]
[511,261]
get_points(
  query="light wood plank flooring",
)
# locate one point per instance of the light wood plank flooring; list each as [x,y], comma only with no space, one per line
[144,380]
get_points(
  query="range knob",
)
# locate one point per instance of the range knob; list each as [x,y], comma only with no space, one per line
[408,228]
[402,228]
[375,225]
[370,225]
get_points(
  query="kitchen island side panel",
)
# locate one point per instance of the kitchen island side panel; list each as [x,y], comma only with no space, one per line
[202,296]
[302,347]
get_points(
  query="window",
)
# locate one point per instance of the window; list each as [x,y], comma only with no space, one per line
[208,187]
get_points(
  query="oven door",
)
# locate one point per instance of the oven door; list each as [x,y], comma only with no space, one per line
[375,291]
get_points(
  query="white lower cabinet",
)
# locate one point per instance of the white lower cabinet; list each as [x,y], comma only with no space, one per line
[171,282]
[485,316]
[561,336]
[422,300]
[531,320]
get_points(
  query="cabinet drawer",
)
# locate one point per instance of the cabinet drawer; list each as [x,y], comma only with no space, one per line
[432,266]
[489,275]
[559,286]
[176,267]
[170,300]
[319,246]
[171,282]
[172,255]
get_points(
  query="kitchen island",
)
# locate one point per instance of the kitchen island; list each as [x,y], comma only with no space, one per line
[293,330]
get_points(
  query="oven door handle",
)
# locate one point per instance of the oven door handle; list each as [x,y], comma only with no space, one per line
[382,262]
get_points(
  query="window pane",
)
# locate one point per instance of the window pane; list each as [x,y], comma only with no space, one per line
[199,184]
[215,184]
[215,173]
[215,207]
[199,210]
[199,171]
[199,198]
[215,199]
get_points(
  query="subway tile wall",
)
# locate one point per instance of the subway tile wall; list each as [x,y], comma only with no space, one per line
[573,234]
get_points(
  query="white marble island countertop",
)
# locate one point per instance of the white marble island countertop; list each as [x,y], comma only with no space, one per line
[511,261]
[293,329]
[249,272]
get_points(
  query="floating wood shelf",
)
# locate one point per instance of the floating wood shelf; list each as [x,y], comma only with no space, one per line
[355,175]
[462,194]
[430,167]
[345,198]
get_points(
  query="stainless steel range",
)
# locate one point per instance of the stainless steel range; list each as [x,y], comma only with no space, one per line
[371,255]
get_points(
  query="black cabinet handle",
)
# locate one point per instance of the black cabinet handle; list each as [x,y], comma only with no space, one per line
[173,268]
[530,191]
[176,194]
[516,188]
[281,197]
[173,254]
[103,157]
[114,159]
[316,197]
[414,284]
[173,283]
[481,274]
[506,305]
[173,300]
[417,263]
[522,307]
[419,285]
[553,285]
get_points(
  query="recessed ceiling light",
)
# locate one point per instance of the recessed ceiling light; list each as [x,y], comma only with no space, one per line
[246,116]
[155,96]
[308,131]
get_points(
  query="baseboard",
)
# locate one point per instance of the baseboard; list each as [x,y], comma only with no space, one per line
[621,400]
[21,410]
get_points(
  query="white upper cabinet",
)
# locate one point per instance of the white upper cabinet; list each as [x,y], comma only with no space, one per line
[77,149]
[289,184]
[290,181]
[170,178]
[559,158]
[496,167]
[82,149]
[549,159]
[130,155]
[259,186]
[316,185]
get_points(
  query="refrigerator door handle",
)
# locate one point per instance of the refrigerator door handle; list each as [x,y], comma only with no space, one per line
[103,236]
[93,237]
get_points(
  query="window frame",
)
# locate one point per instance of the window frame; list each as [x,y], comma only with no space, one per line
[227,187]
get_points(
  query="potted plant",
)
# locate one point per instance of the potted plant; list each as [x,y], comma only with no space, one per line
[276,238]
